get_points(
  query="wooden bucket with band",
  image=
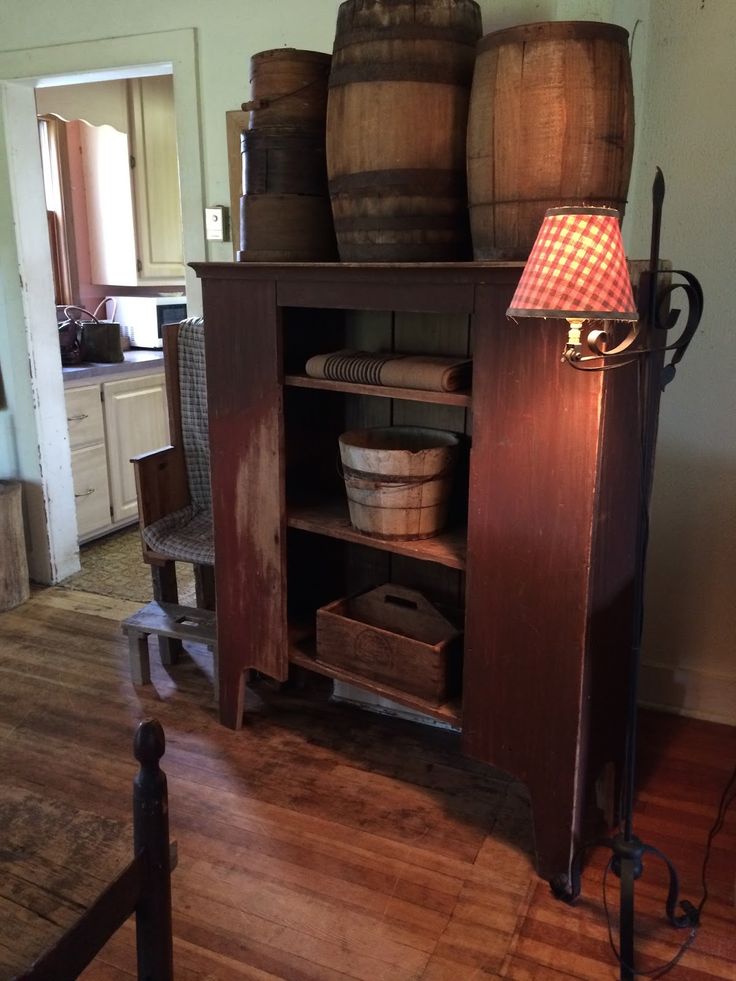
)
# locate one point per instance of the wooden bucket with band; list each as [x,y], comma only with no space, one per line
[398,480]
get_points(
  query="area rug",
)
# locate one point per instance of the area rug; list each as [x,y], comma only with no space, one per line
[113,566]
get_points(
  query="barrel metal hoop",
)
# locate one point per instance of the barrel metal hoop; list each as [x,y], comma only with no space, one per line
[416,180]
[465,34]
[369,223]
[396,480]
[453,72]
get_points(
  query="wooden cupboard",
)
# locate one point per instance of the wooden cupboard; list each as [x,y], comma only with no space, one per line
[541,549]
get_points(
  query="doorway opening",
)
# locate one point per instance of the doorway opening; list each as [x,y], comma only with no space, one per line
[34,443]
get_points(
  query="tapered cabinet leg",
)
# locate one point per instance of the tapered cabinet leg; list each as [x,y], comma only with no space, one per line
[165,591]
[231,696]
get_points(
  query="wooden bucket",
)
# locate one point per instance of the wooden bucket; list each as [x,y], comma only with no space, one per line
[398,480]
[396,123]
[284,160]
[551,124]
[285,213]
[288,86]
[286,228]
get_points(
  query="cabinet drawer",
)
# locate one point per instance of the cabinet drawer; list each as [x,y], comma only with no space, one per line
[84,415]
[91,489]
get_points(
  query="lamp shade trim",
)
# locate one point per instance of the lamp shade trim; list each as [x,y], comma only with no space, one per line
[571,314]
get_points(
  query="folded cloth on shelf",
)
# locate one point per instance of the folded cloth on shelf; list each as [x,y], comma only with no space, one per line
[434,373]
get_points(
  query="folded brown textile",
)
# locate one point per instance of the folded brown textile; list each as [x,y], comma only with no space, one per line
[430,372]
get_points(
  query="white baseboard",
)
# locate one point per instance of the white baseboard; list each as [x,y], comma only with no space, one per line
[688,691]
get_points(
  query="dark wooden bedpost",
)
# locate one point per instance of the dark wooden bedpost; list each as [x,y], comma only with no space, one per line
[151,843]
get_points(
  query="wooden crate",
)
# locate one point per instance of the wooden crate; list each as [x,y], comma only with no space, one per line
[395,636]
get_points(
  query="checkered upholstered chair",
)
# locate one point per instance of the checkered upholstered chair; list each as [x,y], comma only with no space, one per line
[173,483]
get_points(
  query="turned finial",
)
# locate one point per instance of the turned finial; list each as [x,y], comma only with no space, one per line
[149,743]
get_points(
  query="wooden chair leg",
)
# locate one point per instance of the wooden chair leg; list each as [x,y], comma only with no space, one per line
[140,662]
[204,585]
[165,591]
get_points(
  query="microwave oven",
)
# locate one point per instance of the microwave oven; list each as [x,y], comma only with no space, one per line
[142,317]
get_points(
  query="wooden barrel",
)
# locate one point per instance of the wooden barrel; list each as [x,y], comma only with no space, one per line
[288,86]
[14,586]
[396,122]
[551,124]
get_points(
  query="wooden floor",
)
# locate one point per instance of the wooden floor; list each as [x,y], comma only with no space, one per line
[325,843]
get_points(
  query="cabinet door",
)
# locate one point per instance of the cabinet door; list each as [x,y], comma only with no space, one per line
[156,178]
[136,421]
[84,416]
[91,492]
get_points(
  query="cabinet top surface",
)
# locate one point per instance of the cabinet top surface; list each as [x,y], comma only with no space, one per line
[467,272]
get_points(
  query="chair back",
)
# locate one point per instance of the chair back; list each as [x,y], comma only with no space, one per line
[193,406]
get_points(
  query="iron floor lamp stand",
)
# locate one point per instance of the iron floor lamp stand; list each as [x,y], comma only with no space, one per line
[627,850]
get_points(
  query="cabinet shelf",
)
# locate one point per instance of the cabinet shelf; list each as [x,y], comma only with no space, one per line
[303,653]
[331,519]
[462,398]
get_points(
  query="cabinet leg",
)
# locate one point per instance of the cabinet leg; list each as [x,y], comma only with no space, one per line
[165,591]
[231,694]
[555,827]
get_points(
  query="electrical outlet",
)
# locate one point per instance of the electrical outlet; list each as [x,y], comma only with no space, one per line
[216,224]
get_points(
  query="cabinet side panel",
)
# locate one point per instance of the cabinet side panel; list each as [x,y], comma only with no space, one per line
[242,344]
[533,481]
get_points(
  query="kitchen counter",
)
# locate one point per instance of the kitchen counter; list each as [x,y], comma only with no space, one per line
[135,361]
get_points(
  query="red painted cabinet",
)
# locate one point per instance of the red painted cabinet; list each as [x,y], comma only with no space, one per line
[539,554]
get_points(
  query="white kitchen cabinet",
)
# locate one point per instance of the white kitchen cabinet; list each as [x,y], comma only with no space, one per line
[110,422]
[89,460]
[155,179]
[135,422]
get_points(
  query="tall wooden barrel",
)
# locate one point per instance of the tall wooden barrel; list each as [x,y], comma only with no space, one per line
[285,213]
[396,123]
[551,124]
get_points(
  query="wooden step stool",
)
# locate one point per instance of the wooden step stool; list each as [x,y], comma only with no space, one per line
[166,620]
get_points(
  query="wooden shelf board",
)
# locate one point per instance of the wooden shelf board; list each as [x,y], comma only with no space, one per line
[463,398]
[331,519]
[302,652]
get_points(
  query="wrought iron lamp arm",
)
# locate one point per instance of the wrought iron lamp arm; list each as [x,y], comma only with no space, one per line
[651,301]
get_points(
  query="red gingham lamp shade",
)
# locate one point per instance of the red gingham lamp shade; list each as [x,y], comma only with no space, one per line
[576,269]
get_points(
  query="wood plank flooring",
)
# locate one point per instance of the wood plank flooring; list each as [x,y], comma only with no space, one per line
[322,843]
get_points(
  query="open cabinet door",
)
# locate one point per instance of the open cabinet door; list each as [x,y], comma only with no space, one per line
[34,441]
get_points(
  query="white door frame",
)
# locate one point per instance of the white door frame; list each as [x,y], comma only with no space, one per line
[42,456]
